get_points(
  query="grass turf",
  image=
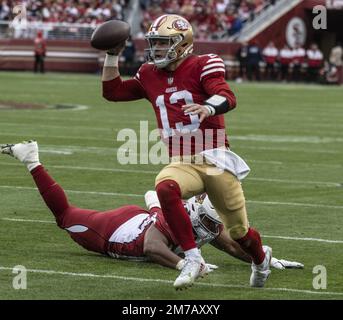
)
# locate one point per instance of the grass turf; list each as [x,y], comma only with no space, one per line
[290,135]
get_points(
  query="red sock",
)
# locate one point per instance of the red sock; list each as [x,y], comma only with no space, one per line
[51,192]
[169,194]
[251,243]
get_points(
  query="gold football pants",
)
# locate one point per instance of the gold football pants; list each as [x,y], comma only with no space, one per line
[223,189]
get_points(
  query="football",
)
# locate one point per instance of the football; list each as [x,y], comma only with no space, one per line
[109,34]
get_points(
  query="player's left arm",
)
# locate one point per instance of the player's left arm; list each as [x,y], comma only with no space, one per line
[156,248]
[156,244]
[224,243]
[221,97]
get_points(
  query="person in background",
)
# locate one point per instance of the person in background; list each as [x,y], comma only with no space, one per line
[270,54]
[286,57]
[336,59]
[242,56]
[299,55]
[253,61]
[129,55]
[315,62]
[40,52]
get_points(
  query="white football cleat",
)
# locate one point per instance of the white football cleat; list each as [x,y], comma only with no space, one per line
[192,270]
[261,272]
[25,152]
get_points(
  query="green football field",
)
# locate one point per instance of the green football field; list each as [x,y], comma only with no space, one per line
[290,135]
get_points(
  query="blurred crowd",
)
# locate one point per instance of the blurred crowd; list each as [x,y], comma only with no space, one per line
[289,64]
[211,19]
[71,11]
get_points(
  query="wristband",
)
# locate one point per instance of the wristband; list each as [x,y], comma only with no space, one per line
[111,61]
[211,110]
[218,103]
[151,200]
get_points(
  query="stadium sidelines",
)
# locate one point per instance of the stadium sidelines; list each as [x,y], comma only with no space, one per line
[312,205]
[331,184]
[169,282]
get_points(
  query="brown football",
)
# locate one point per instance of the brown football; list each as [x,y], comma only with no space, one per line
[109,34]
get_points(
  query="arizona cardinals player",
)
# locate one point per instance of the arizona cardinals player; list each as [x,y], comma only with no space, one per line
[130,232]
[189,95]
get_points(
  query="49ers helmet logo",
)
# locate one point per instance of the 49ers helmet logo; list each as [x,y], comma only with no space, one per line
[180,25]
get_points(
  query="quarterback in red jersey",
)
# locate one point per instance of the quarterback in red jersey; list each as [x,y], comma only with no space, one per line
[189,95]
[130,232]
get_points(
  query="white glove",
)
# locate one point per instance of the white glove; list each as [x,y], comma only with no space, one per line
[285,264]
[210,267]
[151,199]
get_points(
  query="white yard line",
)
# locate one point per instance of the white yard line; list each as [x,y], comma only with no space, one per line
[169,282]
[81,192]
[299,204]
[253,138]
[302,239]
[325,183]
[311,150]
[70,127]
[295,204]
[27,220]
[71,137]
[263,236]
[288,139]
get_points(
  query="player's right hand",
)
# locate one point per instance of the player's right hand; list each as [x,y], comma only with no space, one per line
[210,267]
[282,264]
[118,49]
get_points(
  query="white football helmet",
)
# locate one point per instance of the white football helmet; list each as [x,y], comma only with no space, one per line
[205,219]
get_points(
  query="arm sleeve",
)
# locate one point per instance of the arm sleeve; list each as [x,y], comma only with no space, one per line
[119,90]
[216,84]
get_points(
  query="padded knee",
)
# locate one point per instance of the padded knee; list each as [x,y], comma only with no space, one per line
[238,231]
[168,191]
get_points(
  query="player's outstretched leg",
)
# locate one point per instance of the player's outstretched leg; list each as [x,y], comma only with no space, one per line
[169,194]
[226,195]
[51,192]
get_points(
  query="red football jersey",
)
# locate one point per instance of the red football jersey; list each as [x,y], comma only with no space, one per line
[118,233]
[194,81]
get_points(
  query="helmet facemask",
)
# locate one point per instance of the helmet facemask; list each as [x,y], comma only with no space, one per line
[207,223]
[205,227]
[163,56]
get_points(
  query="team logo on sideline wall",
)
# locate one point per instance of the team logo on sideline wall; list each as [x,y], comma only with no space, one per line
[296,32]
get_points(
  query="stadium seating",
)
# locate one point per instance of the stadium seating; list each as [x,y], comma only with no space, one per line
[70,11]
[211,19]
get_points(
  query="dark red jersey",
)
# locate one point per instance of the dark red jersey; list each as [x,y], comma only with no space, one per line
[118,233]
[40,46]
[194,81]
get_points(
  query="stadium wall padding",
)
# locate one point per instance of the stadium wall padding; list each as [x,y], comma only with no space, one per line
[79,56]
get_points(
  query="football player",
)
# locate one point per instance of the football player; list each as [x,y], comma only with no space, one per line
[189,95]
[130,232]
